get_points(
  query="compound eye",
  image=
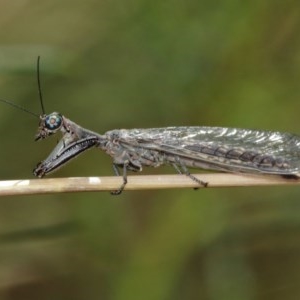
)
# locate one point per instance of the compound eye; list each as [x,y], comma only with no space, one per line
[53,121]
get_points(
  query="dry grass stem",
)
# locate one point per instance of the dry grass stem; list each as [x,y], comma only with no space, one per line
[137,182]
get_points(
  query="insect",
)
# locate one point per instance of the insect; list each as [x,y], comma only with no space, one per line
[214,148]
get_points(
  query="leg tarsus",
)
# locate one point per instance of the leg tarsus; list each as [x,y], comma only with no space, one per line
[182,169]
[121,188]
[199,181]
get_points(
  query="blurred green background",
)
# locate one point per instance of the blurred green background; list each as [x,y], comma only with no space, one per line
[140,63]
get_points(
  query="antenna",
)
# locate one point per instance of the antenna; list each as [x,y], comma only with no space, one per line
[19,107]
[40,94]
[39,85]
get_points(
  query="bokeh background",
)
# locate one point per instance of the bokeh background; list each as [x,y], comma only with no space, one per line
[140,63]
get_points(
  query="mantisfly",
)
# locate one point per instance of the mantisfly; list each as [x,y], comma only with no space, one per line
[215,148]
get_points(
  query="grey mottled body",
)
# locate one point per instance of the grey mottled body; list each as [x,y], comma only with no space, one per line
[215,148]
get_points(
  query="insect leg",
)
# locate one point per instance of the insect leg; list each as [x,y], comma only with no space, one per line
[182,169]
[117,173]
[62,154]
